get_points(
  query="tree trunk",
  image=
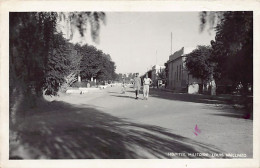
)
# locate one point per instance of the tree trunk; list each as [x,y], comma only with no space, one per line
[16,99]
[201,87]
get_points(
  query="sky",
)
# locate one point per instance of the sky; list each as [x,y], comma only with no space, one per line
[138,40]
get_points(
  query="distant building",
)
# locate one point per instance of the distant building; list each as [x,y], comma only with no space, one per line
[178,78]
[156,69]
[153,73]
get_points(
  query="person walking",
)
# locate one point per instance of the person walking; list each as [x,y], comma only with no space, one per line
[123,86]
[147,82]
[137,85]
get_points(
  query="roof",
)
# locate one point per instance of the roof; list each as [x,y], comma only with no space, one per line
[180,53]
[158,67]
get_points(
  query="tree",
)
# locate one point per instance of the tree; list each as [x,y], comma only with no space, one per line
[59,65]
[120,77]
[33,37]
[30,39]
[233,46]
[96,64]
[166,73]
[162,75]
[115,77]
[80,20]
[233,50]
[198,63]
[31,42]
[74,67]
[211,19]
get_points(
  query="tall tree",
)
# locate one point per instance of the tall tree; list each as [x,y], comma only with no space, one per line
[233,45]
[59,64]
[32,41]
[31,35]
[96,64]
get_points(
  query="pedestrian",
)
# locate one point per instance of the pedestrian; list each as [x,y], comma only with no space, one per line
[147,82]
[137,85]
[123,86]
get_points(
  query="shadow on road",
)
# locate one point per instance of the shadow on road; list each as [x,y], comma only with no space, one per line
[229,111]
[223,104]
[70,132]
[124,96]
[115,92]
[130,94]
[195,98]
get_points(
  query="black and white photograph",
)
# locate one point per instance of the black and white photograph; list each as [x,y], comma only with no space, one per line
[107,84]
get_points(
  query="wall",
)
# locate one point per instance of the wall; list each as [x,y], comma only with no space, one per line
[178,77]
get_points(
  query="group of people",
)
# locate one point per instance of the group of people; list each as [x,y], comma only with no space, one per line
[137,86]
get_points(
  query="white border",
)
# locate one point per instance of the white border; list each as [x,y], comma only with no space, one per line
[130,6]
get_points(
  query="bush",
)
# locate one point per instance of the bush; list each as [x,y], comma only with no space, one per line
[79,84]
[83,84]
[101,83]
[92,84]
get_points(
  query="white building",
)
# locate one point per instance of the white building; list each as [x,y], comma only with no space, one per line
[178,78]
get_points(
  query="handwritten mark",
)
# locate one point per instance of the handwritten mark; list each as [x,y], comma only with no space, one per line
[197,130]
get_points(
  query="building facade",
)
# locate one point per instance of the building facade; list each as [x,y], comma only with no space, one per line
[178,78]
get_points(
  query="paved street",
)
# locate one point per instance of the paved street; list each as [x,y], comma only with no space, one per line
[108,124]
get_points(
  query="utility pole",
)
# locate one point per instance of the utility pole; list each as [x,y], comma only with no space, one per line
[156,58]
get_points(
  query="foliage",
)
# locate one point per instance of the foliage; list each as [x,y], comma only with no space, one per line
[211,19]
[68,81]
[80,20]
[162,74]
[198,63]
[80,84]
[33,51]
[30,39]
[59,65]
[233,46]
[74,68]
[126,77]
[120,77]
[166,70]
[40,58]
[95,64]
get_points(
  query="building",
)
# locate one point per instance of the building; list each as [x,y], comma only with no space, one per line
[178,78]
[156,69]
[153,74]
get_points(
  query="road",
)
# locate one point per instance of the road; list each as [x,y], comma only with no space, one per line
[109,124]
